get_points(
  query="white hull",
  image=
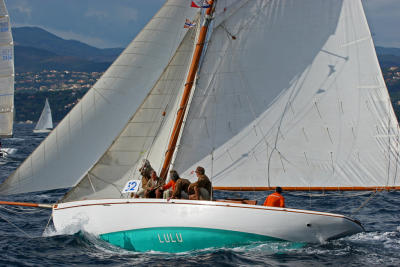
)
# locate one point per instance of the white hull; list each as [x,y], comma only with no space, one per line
[106,216]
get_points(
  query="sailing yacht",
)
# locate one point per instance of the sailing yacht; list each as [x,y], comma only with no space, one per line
[6,78]
[264,93]
[45,122]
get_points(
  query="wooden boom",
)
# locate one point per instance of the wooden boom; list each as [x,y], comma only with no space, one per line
[338,188]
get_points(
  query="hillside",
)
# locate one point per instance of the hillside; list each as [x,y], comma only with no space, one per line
[30,59]
[38,38]
[387,51]
[37,49]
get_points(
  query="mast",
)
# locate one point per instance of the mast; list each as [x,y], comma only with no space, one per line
[186,93]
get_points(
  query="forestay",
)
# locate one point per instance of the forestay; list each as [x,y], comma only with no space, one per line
[145,135]
[45,121]
[290,93]
[80,139]
[6,74]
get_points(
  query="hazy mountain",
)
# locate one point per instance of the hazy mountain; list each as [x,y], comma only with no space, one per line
[42,39]
[34,59]
[37,49]
[387,51]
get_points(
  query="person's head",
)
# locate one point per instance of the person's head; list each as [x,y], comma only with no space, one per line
[145,163]
[199,171]
[153,175]
[278,189]
[174,175]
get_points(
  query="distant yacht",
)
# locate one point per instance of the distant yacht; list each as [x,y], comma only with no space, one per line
[45,123]
[6,79]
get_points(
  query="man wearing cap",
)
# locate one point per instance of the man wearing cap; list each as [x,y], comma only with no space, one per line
[275,199]
[200,190]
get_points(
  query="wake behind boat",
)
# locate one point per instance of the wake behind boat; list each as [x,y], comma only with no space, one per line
[4,152]
[268,102]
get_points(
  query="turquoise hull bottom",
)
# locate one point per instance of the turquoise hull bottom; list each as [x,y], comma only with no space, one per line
[180,239]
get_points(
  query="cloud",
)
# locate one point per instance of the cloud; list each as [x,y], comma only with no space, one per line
[98,14]
[22,8]
[127,13]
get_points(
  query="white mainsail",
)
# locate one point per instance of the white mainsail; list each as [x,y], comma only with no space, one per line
[45,121]
[6,74]
[291,94]
[93,124]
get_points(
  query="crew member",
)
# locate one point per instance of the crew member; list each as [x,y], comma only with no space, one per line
[153,186]
[145,171]
[170,186]
[181,189]
[275,199]
[200,190]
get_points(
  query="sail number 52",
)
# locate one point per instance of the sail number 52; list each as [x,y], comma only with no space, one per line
[131,186]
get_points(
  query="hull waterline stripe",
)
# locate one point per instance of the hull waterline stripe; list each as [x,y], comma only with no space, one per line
[180,239]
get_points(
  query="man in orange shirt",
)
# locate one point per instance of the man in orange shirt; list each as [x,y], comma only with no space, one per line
[174,176]
[275,199]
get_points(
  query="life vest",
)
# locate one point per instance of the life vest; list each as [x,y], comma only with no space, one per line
[275,200]
[170,184]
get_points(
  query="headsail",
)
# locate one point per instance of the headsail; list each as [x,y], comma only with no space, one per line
[6,74]
[89,129]
[291,94]
[144,136]
[45,121]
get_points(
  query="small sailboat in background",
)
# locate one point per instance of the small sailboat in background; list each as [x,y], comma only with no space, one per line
[285,93]
[45,122]
[7,74]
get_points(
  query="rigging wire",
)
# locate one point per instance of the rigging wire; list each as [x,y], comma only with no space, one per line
[18,228]
[373,194]
[17,210]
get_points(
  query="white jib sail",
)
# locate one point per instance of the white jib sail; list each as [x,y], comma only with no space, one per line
[144,136]
[6,74]
[291,94]
[45,121]
[80,139]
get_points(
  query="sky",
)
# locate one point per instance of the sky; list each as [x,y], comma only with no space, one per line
[114,23]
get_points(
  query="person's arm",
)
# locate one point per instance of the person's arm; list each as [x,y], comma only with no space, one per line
[197,192]
[282,202]
[168,185]
[149,185]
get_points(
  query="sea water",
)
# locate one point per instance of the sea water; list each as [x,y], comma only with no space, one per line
[25,240]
